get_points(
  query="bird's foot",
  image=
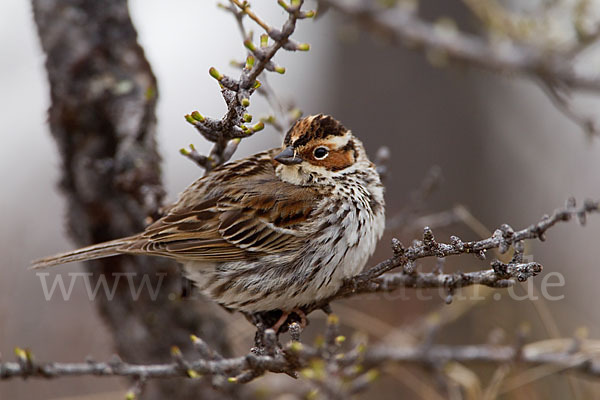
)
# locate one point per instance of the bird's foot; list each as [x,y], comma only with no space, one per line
[279,321]
[285,315]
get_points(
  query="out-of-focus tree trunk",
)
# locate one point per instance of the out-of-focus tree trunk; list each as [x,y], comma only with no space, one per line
[102,117]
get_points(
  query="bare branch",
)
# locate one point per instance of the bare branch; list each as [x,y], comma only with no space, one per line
[555,64]
[404,26]
[563,103]
[296,356]
[500,275]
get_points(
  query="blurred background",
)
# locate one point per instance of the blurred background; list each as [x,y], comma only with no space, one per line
[505,153]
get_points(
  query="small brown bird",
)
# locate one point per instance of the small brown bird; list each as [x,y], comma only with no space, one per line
[277,230]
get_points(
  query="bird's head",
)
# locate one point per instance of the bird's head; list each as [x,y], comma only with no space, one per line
[317,146]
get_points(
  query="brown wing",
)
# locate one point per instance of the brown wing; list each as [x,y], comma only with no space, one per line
[238,212]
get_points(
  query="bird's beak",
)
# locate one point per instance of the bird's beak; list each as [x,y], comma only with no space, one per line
[288,156]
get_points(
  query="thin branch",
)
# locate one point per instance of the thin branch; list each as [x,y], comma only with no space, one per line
[402,25]
[227,132]
[500,274]
[295,356]
[562,102]
[418,197]
[583,363]
[284,115]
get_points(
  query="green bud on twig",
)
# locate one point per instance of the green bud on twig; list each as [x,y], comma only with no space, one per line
[245,102]
[215,74]
[247,117]
[258,127]
[372,375]
[264,40]
[281,70]
[249,45]
[193,374]
[150,93]
[187,152]
[21,354]
[296,113]
[308,373]
[296,347]
[304,47]
[361,348]
[197,116]
[250,62]
[175,352]
[319,341]
[283,4]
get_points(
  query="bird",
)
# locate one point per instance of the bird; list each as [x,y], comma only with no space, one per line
[278,230]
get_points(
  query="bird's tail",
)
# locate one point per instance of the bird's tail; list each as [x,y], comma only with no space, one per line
[100,250]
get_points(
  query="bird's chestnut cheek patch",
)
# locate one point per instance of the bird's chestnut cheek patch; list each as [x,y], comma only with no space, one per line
[335,161]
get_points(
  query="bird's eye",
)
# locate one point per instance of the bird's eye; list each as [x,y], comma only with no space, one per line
[321,152]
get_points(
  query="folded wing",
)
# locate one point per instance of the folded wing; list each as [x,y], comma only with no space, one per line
[252,214]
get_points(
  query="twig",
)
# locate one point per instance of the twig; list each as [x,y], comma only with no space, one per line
[557,65]
[406,216]
[284,113]
[406,27]
[296,356]
[484,354]
[562,102]
[498,276]
[227,132]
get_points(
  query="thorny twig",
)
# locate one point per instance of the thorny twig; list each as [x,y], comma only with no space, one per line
[227,132]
